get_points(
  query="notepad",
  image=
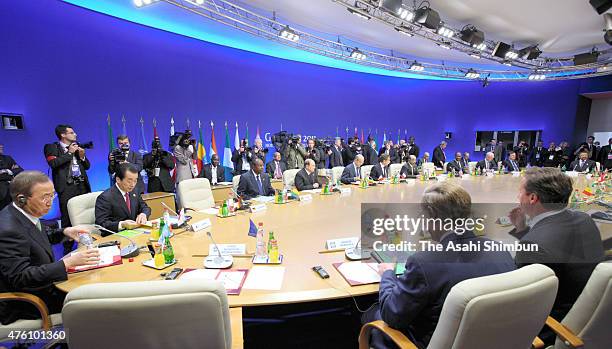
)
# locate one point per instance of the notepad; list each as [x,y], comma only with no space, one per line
[232,279]
[358,273]
[130,233]
[265,278]
[110,255]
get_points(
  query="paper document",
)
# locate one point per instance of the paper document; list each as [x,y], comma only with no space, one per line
[360,273]
[224,183]
[265,278]
[201,274]
[263,199]
[212,211]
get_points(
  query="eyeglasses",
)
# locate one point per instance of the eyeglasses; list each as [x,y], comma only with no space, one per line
[47,198]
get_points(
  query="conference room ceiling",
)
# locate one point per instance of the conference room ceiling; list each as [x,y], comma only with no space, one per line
[561,28]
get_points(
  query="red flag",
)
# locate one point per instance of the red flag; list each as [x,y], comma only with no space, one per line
[362,139]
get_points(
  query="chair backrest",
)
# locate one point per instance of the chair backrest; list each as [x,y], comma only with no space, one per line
[289,177]
[337,173]
[82,208]
[365,171]
[430,167]
[394,169]
[598,166]
[591,315]
[235,182]
[195,193]
[150,314]
[502,311]
[472,165]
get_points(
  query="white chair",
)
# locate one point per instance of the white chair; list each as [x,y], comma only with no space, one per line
[444,168]
[235,182]
[587,324]
[337,173]
[150,314]
[365,171]
[289,177]
[82,208]
[394,169]
[598,166]
[472,165]
[503,311]
[195,193]
[46,321]
[429,167]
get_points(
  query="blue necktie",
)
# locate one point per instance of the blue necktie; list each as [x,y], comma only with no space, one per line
[259,185]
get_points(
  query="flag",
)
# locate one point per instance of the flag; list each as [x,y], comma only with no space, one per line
[144,148]
[227,151]
[356,132]
[384,137]
[587,191]
[155,128]
[257,135]
[111,138]
[362,139]
[124,129]
[236,138]
[252,228]
[171,126]
[398,135]
[201,149]
[213,144]
[377,140]
[247,134]
[173,171]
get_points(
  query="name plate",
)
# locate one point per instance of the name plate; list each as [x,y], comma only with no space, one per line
[345,191]
[258,208]
[307,197]
[589,176]
[465,176]
[572,173]
[411,181]
[341,243]
[516,174]
[441,178]
[227,249]
[201,224]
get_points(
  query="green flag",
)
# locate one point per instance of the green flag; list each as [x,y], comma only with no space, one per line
[111,138]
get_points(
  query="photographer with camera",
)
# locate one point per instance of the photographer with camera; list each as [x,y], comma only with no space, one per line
[294,153]
[158,164]
[389,150]
[8,170]
[123,155]
[242,158]
[184,152]
[259,151]
[589,147]
[315,153]
[353,149]
[334,153]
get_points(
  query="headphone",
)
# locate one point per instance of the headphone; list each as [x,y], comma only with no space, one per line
[21,200]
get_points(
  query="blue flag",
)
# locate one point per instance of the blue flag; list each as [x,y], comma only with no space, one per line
[252,228]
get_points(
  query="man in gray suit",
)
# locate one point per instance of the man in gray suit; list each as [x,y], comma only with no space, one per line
[568,241]
[352,172]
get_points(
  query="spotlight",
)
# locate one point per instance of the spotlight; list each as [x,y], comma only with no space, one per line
[586,58]
[501,49]
[445,46]
[427,17]
[359,14]
[415,66]
[444,31]
[472,74]
[395,7]
[358,55]
[530,52]
[474,37]
[511,55]
[289,34]
[537,76]
[404,31]
[475,56]
[608,28]
[406,15]
[481,46]
[138,3]
[601,6]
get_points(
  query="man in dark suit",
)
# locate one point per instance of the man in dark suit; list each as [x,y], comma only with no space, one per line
[213,172]
[370,153]
[413,149]
[68,168]
[425,159]
[26,259]
[276,167]
[465,161]
[456,166]
[158,164]
[381,169]
[538,154]
[589,147]
[583,163]
[500,152]
[127,156]
[410,168]
[487,164]
[412,302]
[389,150]
[605,156]
[255,182]
[335,154]
[8,170]
[491,146]
[315,153]
[439,156]
[242,158]
[352,171]
[522,153]
[568,241]
[306,178]
[553,156]
[120,207]
[511,165]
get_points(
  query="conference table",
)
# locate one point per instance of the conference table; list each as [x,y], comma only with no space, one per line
[302,228]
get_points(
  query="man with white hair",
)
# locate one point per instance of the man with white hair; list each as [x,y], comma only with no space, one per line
[439,156]
[488,164]
[352,172]
[410,168]
[425,159]
[306,178]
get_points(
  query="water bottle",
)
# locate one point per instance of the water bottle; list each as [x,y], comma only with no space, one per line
[260,250]
[85,240]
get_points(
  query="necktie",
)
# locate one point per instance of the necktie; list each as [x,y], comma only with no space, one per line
[514,165]
[486,164]
[213,174]
[259,185]
[383,170]
[358,170]
[581,164]
[127,202]
[38,225]
[277,172]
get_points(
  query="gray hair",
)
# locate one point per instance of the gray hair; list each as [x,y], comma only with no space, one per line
[309,162]
[446,200]
[23,183]
[552,186]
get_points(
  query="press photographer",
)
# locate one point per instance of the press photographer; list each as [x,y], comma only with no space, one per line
[184,152]
[8,170]
[334,153]
[123,155]
[353,149]
[158,164]
[314,151]
[294,153]
[259,151]
[242,158]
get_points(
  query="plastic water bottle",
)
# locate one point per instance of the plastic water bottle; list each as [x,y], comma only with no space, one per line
[85,240]
[260,250]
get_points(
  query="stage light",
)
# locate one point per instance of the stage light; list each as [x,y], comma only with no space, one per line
[199,2]
[415,66]
[445,46]
[473,36]
[511,55]
[406,15]
[530,52]
[608,28]
[138,3]
[404,31]
[472,74]
[601,6]
[537,76]
[501,49]
[481,46]
[586,58]
[427,17]
[507,63]
[359,14]
[444,31]
[289,34]
[358,55]
[475,56]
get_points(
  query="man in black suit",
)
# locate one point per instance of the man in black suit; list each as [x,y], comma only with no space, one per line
[487,164]
[491,146]
[120,207]
[335,154]
[381,169]
[158,164]
[410,168]
[8,170]
[352,171]
[522,153]
[589,147]
[255,182]
[439,156]
[511,165]
[465,161]
[389,150]
[68,168]
[370,153]
[583,163]
[538,154]
[568,241]
[456,166]
[413,149]
[425,159]
[412,302]
[124,155]
[314,153]
[553,156]
[242,158]
[213,172]
[306,178]
[26,259]
[276,167]
[605,156]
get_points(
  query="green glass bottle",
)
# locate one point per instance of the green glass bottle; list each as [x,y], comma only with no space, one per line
[168,251]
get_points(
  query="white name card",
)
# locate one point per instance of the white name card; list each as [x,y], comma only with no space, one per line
[307,197]
[227,249]
[201,224]
[589,176]
[341,243]
[572,173]
[465,176]
[345,191]
[516,174]
[258,208]
[411,181]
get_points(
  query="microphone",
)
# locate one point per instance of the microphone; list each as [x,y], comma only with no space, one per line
[131,250]
[219,261]
[355,253]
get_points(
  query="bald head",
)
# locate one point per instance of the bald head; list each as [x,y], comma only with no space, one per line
[359,159]
[257,166]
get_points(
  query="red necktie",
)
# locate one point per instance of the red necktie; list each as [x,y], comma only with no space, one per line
[127,202]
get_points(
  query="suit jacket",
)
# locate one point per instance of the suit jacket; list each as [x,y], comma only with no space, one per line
[207,173]
[482,166]
[370,154]
[412,302]
[60,162]
[305,181]
[135,159]
[490,148]
[591,148]
[271,167]
[537,156]
[500,153]
[508,164]
[184,162]
[164,181]
[409,170]
[569,243]
[7,163]
[439,157]
[248,187]
[456,166]
[335,158]
[392,154]
[111,208]
[27,265]
[413,150]
[605,158]
[588,166]
[465,163]
[553,158]
[238,160]
[377,172]
[349,173]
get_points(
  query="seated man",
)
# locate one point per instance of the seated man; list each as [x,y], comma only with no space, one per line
[26,258]
[425,159]
[255,182]
[412,302]
[381,169]
[306,178]
[213,172]
[352,172]
[456,166]
[276,167]
[488,164]
[568,241]
[410,168]
[119,207]
[511,164]
[582,164]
